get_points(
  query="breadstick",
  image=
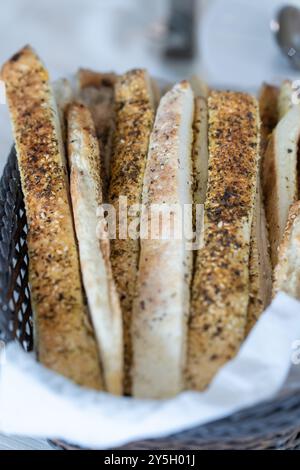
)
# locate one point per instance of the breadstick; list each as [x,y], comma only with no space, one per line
[221,287]
[134,116]
[162,306]
[86,193]
[64,337]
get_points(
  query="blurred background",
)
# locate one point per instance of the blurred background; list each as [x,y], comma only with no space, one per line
[228,42]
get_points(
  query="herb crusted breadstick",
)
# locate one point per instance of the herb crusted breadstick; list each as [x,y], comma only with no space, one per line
[94,246]
[220,294]
[134,116]
[64,337]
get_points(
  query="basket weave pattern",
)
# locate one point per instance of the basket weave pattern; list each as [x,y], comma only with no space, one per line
[15,307]
[271,425]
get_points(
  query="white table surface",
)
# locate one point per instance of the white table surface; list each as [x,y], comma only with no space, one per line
[23,443]
[121,34]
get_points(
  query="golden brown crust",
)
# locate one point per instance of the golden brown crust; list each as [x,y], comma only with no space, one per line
[65,337]
[220,284]
[134,120]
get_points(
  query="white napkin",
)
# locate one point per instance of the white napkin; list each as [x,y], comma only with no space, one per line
[39,403]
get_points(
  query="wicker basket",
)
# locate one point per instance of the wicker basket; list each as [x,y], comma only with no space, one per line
[271,425]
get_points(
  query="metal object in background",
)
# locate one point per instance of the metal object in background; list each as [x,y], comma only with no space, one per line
[286,28]
[180,39]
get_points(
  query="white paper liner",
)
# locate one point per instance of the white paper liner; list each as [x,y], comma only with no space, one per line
[36,402]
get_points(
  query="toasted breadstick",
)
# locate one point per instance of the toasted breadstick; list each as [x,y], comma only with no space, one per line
[285,98]
[64,336]
[220,288]
[134,121]
[287,271]
[161,309]
[280,176]
[86,193]
[96,91]
[260,268]
[268,108]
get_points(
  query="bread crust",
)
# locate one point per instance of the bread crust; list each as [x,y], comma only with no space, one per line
[134,113]
[159,325]
[221,283]
[94,246]
[65,339]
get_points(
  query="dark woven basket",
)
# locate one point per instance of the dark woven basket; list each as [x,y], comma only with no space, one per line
[271,425]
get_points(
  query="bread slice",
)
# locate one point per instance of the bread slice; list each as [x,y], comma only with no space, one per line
[268,109]
[159,325]
[96,91]
[220,291]
[287,271]
[280,183]
[64,337]
[260,268]
[94,245]
[134,122]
